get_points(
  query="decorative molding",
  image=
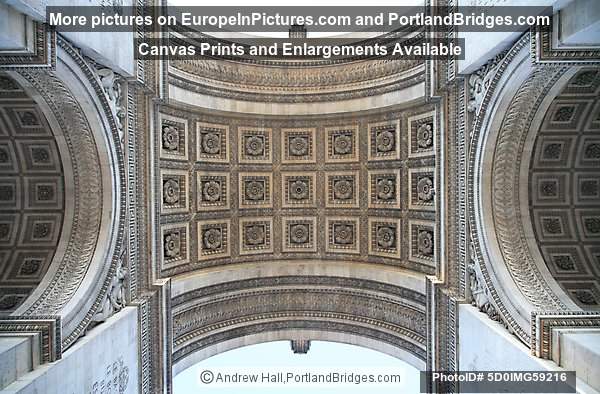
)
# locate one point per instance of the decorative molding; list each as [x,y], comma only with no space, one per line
[544,50]
[327,281]
[442,331]
[155,338]
[479,81]
[86,174]
[137,208]
[516,122]
[281,83]
[300,346]
[42,56]
[82,147]
[47,327]
[302,321]
[363,307]
[505,200]
[543,324]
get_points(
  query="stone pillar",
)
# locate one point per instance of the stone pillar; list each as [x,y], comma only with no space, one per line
[112,49]
[580,23]
[579,350]
[17,357]
[478,51]
[486,345]
[104,360]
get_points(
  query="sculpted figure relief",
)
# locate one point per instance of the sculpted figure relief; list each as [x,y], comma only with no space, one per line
[115,298]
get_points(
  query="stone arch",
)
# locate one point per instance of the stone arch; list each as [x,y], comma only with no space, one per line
[36,175]
[295,200]
[74,101]
[382,310]
[510,279]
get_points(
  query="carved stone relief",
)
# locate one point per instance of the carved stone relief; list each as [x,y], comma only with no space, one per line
[301,186]
[31,195]
[564,194]
[238,308]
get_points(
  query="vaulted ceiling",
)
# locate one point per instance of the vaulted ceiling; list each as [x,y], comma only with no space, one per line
[31,195]
[238,188]
[565,188]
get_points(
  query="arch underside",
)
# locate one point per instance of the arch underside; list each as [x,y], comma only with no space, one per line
[518,281]
[32,194]
[72,100]
[296,199]
[377,315]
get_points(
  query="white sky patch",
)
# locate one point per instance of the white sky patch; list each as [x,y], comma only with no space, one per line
[321,355]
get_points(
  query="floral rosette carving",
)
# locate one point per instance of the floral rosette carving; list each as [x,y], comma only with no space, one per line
[343,234]
[386,237]
[425,189]
[425,242]
[385,141]
[172,245]
[298,146]
[212,239]
[425,135]
[342,189]
[211,143]
[342,144]
[254,235]
[170,137]
[211,191]
[386,189]
[171,191]
[299,190]
[255,191]
[299,233]
[254,146]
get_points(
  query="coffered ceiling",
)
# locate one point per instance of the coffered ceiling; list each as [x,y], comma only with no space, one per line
[31,195]
[234,189]
[565,188]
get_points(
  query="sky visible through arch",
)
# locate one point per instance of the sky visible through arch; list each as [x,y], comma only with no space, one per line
[279,355]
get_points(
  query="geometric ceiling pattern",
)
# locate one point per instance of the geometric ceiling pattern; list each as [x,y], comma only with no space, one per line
[236,189]
[564,187]
[31,195]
